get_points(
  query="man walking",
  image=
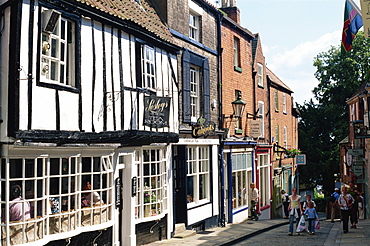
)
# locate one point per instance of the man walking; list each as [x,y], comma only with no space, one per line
[334,203]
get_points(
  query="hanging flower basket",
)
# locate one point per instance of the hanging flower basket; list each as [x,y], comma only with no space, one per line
[292,152]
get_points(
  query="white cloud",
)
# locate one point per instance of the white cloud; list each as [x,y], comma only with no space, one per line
[306,50]
[295,67]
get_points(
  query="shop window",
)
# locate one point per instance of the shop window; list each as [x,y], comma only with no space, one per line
[264,179]
[43,196]
[152,183]
[198,176]
[241,171]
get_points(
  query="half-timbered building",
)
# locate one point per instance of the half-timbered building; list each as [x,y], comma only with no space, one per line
[89,111]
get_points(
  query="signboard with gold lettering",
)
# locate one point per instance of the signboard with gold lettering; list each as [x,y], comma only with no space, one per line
[156,111]
[203,128]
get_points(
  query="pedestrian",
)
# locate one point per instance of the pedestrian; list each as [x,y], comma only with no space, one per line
[312,216]
[285,200]
[361,203]
[294,209]
[254,201]
[334,204]
[354,209]
[345,202]
[308,199]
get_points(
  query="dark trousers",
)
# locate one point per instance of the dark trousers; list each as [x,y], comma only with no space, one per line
[345,217]
[286,205]
[253,209]
[353,214]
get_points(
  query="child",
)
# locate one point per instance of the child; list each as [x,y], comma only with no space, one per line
[312,216]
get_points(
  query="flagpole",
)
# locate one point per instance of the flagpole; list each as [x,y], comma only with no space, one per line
[356,7]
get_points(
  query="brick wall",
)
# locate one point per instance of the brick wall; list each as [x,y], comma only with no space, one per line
[262,93]
[236,80]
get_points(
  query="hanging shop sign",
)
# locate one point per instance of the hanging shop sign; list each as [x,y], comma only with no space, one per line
[203,128]
[156,111]
[357,170]
[133,186]
[300,159]
[255,128]
[356,152]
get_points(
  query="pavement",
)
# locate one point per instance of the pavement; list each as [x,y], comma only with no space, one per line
[238,232]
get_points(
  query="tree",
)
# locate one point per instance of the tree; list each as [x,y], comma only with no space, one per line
[323,124]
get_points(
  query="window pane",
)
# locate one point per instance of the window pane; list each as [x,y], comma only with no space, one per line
[54,166]
[16,168]
[53,70]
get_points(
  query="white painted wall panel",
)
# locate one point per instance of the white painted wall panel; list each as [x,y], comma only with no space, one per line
[98,92]
[68,111]
[198,214]
[23,78]
[86,73]
[43,108]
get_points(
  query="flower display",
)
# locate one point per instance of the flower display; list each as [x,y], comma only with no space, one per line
[149,195]
[292,152]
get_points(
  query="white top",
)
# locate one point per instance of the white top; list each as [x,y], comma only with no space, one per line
[254,195]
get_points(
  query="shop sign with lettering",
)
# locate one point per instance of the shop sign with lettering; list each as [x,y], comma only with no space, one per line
[156,111]
[356,152]
[203,128]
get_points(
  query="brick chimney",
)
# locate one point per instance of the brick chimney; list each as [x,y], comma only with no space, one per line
[233,13]
[229,7]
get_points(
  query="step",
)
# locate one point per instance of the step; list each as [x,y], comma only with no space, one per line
[185,234]
[179,228]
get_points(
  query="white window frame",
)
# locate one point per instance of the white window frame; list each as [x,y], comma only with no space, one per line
[260,75]
[277,134]
[149,68]
[285,137]
[261,117]
[194,21]
[276,99]
[56,62]
[284,103]
[241,173]
[198,170]
[152,194]
[264,179]
[194,93]
[236,52]
[37,179]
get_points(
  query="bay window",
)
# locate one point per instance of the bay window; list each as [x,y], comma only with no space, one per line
[47,193]
[151,199]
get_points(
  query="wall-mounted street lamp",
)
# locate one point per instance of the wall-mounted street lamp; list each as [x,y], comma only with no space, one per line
[238,107]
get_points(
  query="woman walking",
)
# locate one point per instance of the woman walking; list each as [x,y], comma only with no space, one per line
[294,209]
[345,202]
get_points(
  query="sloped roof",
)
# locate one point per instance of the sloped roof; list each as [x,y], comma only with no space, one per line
[275,79]
[360,91]
[142,14]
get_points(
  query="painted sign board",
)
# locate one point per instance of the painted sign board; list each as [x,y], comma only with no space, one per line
[300,159]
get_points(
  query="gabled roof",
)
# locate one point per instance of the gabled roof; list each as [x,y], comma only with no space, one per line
[142,14]
[360,91]
[254,46]
[274,79]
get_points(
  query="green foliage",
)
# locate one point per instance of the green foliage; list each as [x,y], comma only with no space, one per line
[324,123]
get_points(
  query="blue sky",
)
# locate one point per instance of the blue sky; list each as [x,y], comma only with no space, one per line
[293,32]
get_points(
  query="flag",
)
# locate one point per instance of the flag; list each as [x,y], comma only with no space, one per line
[352,23]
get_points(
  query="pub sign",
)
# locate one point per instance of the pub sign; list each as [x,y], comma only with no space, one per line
[156,111]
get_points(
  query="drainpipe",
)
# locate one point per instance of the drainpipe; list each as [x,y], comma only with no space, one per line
[220,123]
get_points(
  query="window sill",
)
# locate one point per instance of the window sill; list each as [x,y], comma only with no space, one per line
[238,131]
[238,69]
[58,87]
[261,86]
[285,113]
